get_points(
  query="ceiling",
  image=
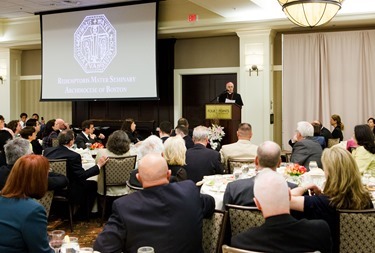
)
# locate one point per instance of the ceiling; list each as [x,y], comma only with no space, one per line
[214,17]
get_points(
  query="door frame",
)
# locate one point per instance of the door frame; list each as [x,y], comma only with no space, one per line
[177,84]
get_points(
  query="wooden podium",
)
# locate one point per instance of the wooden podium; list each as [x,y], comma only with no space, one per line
[226,115]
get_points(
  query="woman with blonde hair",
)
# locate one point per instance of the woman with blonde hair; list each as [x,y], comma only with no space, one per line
[175,154]
[338,127]
[343,189]
[23,221]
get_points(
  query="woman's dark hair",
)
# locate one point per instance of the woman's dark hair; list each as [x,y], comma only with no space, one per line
[12,125]
[27,131]
[118,142]
[28,178]
[49,127]
[126,126]
[365,137]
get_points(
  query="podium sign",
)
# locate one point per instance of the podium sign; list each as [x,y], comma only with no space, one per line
[218,111]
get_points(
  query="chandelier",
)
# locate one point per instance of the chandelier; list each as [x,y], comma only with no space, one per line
[310,13]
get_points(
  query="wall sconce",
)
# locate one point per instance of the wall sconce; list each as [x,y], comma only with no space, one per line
[254,58]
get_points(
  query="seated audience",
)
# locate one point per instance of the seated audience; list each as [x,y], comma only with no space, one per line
[241,192]
[202,161]
[23,119]
[341,171]
[37,148]
[51,132]
[306,149]
[167,217]
[323,131]
[23,221]
[129,127]
[87,135]
[5,136]
[82,191]
[118,145]
[317,136]
[17,148]
[175,155]
[2,126]
[29,133]
[165,129]
[62,125]
[15,127]
[364,153]
[243,148]
[338,127]
[183,131]
[281,232]
[151,144]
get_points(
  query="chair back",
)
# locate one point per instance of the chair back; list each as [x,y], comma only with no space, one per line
[58,166]
[55,142]
[46,201]
[332,142]
[357,230]
[242,218]
[117,170]
[228,249]
[131,188]
[213,231]
[238,162]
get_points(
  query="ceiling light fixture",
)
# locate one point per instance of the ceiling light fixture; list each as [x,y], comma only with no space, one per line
[310,13]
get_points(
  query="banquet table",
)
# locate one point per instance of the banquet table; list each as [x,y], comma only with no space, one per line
[87,160]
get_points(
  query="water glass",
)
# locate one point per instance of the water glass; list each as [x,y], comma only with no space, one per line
[56,239]
[313,165]
[86,250]
[146,249]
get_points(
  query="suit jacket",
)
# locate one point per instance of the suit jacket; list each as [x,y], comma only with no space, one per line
[306,150]
[202,161]
[283,233]
[241,192]
[156,217]
[236,97]
[239,149]
[188,142]
[81,140]
[76,174]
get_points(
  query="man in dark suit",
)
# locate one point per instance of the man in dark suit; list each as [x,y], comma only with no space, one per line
[323,131]
[202,161]
[87,135]
[167,217]
[229,96]
[241,192]
[82,191]
[165,129]
[306,149]
[281,232]
[183,131]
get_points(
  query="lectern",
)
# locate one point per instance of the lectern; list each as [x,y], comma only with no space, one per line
[226,115]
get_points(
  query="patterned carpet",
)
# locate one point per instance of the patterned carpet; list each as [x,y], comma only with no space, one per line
[86,231]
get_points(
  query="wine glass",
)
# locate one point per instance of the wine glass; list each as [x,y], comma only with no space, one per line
[145,249]
[56,238]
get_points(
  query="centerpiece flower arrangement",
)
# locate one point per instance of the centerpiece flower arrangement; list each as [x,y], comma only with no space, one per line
[215,135]
[96,145]
[295,170]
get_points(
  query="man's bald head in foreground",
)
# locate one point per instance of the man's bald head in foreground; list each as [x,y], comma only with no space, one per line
[271,193]
[153,170]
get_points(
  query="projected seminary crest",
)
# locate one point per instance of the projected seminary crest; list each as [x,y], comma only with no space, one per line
[95,43]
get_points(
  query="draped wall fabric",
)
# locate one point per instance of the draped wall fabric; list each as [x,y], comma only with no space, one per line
[328,73]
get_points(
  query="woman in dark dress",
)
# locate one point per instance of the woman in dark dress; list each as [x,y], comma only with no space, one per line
[174,154]
[343,190]
[50,132]
[338,127]
[129,127]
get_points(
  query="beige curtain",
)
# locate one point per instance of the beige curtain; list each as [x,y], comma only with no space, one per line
[325,74]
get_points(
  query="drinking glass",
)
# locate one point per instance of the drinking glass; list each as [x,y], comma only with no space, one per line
[146,249]
[56,239]
[69,246]
[313,165]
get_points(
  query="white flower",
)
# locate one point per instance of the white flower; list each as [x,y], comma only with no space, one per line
[215,135]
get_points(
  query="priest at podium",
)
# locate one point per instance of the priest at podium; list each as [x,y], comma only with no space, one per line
[229,96]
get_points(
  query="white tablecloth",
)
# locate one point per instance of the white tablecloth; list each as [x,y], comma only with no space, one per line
[215,186]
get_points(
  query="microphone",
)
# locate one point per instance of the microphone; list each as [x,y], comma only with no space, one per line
[225,91]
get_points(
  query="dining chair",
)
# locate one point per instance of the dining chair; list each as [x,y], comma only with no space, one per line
[116,172]
[55,142]
[241,218]
[46,201]
[131,188]
[59,166]
[213,231]
[229,249]
[357,230]
[332,142]
[238,162]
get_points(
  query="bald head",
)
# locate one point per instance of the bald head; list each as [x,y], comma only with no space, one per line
[272,193]
[61,124]
[268,155]
[153,170]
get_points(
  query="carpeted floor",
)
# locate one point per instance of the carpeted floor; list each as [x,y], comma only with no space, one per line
[86,231]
